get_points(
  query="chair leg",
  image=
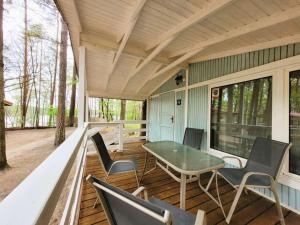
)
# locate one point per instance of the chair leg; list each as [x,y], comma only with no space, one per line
[218,194]
[234,204]
[277,201]
[137,179]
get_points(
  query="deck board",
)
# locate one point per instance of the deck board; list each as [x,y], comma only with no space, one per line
[251,209]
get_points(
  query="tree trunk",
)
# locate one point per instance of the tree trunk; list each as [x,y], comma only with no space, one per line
[54,75]
[25,70]
[60,118]
[123,110]
[3,159]
[254,103]
[73,98]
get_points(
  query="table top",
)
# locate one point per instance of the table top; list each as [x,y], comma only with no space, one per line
[182,158]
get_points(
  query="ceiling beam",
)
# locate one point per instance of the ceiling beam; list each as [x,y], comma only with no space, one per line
[131,24]
[101,43]
[197,17]
[250,48]
[258,25]
[145,62]
[157,68]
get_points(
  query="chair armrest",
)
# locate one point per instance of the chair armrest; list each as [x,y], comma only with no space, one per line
[140,190]
[233,157]
[249,174]
[200,218]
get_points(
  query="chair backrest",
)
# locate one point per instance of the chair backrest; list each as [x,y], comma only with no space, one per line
[102,151]
[193,137]
[122,208]
[267,156]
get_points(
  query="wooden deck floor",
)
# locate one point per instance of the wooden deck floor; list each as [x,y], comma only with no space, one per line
[252,209]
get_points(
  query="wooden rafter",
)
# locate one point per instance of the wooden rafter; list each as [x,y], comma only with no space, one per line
[199,16]
[131,24]
[260,24]
[168,37]
[100,43]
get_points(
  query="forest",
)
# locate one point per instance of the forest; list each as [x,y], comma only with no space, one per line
[38,81]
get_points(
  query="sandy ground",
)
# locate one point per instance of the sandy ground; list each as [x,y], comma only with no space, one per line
[26,149]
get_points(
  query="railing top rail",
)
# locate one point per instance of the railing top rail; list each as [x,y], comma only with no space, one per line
[34,199]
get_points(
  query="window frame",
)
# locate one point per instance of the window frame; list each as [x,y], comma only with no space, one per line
[280,108]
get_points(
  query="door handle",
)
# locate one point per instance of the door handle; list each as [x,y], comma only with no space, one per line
[172,119]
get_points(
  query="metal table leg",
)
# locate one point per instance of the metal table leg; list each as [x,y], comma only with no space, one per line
[144,169]
[182,191]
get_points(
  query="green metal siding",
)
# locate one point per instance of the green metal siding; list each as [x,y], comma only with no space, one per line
[206,70]
[197,111]
[179,117]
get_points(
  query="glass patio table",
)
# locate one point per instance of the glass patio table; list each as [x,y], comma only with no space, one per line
[187,161]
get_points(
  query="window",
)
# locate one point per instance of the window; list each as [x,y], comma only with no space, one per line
[240,113]
[294,126]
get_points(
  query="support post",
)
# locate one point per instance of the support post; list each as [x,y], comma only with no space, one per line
[87,114]
[81,86]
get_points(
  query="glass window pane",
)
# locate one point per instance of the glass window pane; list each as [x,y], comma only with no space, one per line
[295,122]
[240,113]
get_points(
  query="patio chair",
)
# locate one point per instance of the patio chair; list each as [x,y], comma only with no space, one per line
[193,137]
[262,170]
[111,166]
[123,208]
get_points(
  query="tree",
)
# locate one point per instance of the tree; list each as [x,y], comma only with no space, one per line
[25,81]
[123,110]
[60,118]
[53,81]
[3,159]
[73,98]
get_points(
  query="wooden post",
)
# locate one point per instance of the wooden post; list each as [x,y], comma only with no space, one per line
[81,86]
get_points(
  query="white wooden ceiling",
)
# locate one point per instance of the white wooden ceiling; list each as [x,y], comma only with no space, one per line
[133,46]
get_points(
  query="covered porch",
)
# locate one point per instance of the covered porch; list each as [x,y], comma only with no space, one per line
[228,67]
[252,209]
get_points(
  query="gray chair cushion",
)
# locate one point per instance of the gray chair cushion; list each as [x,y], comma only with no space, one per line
[235,176]
[179,216]
[120,167]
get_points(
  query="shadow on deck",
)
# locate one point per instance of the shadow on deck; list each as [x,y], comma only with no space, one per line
[252,208]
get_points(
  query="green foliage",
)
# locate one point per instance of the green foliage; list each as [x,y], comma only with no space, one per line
[52,111]
[36,31]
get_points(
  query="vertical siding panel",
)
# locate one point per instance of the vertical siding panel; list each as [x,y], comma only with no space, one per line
[272,55]
[283,53]
[277,53]
[297,49]
[290,50]
[261,58]
[247,60]
[292,197]
[266,56]
[256,59]
[251,61]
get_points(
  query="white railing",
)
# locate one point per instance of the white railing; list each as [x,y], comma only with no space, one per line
[34,200]
[131,131]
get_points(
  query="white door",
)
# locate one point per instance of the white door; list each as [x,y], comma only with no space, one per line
[167,104]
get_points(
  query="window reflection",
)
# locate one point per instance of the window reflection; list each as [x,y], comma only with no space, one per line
[295,122]
[240,113]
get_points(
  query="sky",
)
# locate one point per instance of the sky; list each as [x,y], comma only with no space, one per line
[13,27]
